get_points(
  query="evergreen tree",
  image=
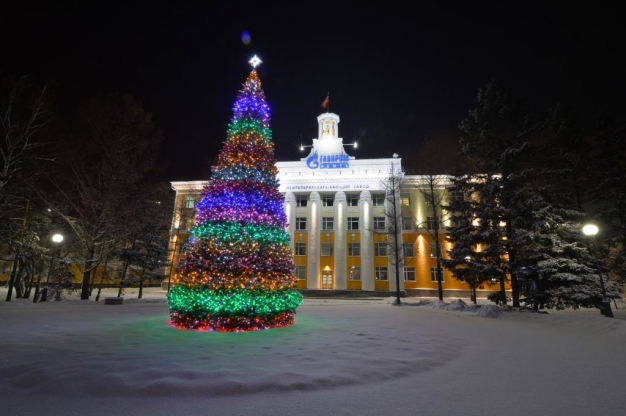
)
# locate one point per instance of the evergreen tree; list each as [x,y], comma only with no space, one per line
[478,255]
[608,175]
[556,268]
[520,214]
[495,137]
[145,260]
[239,272]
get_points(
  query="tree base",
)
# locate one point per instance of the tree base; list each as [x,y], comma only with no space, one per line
[233,324]
[201,308]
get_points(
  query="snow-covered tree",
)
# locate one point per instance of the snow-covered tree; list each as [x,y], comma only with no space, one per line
[494,139]
[607,172]
[107,152]
[521,217]
[554,263]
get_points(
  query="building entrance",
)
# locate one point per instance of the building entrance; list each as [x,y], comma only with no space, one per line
[327,280]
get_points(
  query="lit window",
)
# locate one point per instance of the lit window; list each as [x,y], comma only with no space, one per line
[381,273]
[190,201]
[405,200]
[354,273]
[409,274]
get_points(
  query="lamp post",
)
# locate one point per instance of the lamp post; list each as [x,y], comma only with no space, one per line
[470,280]
[591,230]
[56,239]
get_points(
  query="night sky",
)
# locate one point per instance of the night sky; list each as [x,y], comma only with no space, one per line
[395,74]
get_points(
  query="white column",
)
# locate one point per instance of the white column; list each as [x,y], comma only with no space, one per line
[341,212]
[367,247]
[290,211]
[313,249]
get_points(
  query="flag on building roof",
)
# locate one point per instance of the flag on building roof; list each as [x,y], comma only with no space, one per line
[326,101]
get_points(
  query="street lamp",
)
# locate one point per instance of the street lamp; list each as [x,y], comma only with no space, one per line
[56,239]
[591,230]
[470,280]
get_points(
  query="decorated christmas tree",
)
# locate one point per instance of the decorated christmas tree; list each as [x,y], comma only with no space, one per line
[238,274]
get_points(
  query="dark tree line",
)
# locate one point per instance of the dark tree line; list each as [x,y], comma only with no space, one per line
[91,174]
[526,186]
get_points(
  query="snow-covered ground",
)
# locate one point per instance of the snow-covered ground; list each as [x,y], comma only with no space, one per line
[342,357]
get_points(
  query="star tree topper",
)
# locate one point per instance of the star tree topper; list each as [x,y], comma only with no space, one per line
[255,61]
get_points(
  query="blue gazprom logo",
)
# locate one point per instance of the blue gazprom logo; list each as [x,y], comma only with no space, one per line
[312,162]
[328,161]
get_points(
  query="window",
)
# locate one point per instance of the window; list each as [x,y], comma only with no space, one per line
[409,249]
[301,201]
[405,200]
[353,223]
[354,273]
[327,249]
[352,200]
[188,223]
[181,248]
[378,200]
[456,196]
[407,223]
[300,223]
[433,250]
[328,223]
[379,223]
[381,273]
[431,223]
[354,249]
[380,249]
[190,201]
[409,274]
[433,274]
[328,200]
[300,249]
[300,272]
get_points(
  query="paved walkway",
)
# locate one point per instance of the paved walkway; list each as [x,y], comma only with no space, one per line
[156,293]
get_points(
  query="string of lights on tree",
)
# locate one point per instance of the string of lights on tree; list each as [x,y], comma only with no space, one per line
[239,274]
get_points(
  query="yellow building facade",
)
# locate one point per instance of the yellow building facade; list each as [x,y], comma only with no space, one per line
[338,213]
